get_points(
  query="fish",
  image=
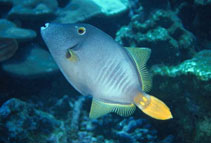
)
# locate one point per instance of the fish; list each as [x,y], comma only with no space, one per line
[96,65]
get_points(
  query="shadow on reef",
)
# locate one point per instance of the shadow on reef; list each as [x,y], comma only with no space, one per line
[39,105]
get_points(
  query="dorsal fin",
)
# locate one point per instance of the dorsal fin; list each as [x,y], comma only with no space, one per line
[140,57]
[100,108]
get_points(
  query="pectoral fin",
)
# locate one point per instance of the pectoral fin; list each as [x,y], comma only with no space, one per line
[100,108]
[153,107]
[70,55]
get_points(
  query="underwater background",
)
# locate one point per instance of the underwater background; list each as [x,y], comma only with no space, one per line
[38,105]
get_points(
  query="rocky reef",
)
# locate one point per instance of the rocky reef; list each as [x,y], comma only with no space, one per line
[8,47]
[31,9]
[34,61]
[21,121]
[9,30]
[37,104]
[190,82]
[163,32]
[199,66]
[82,10]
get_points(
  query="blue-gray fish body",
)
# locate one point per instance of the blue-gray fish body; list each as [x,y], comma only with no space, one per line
[95,65]
[103,69]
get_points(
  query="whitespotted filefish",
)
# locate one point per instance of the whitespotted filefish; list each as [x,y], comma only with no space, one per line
[96,65]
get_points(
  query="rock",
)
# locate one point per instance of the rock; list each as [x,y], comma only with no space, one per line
[199,66]
[186,89]
[62,107]
[154,4]
[81,10]
[168,139]
[133,131]
[202,2]
[110,7]
[121,130]
[4,8]
[20,122]
[10,30]
[196,17]
[35,62]
[8,47]
[203,131]
[163,32]
[63,3]
[32,9]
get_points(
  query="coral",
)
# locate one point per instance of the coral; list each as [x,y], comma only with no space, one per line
[61,107]
[66,120]
[199,66]
[135,131]
[163,32]
[20,122]
[76,115]
[35,61]
[31,9]
[8,47]
[168,139]
[81,10]
[203,130]
[202,2]
[10,30]
[190,82]
[9,34]
[196,16]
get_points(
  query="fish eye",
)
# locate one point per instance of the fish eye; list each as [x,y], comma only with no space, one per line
[81,30]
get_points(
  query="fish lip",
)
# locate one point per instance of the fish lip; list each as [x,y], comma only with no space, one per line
[45,26]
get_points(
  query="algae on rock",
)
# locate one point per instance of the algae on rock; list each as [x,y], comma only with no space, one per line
[8,47]
[21,122]
[186,87]
[199,66]
[31,9]
[9,30]
[37,62]
[163,32]
[81,10]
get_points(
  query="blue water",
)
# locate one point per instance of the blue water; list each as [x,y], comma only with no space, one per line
[38,105]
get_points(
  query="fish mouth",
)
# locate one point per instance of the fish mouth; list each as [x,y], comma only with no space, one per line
[45,26]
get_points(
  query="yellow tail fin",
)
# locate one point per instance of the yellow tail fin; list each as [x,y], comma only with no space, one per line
[153,107]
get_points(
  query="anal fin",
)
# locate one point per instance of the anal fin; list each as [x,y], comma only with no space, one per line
[100,108]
